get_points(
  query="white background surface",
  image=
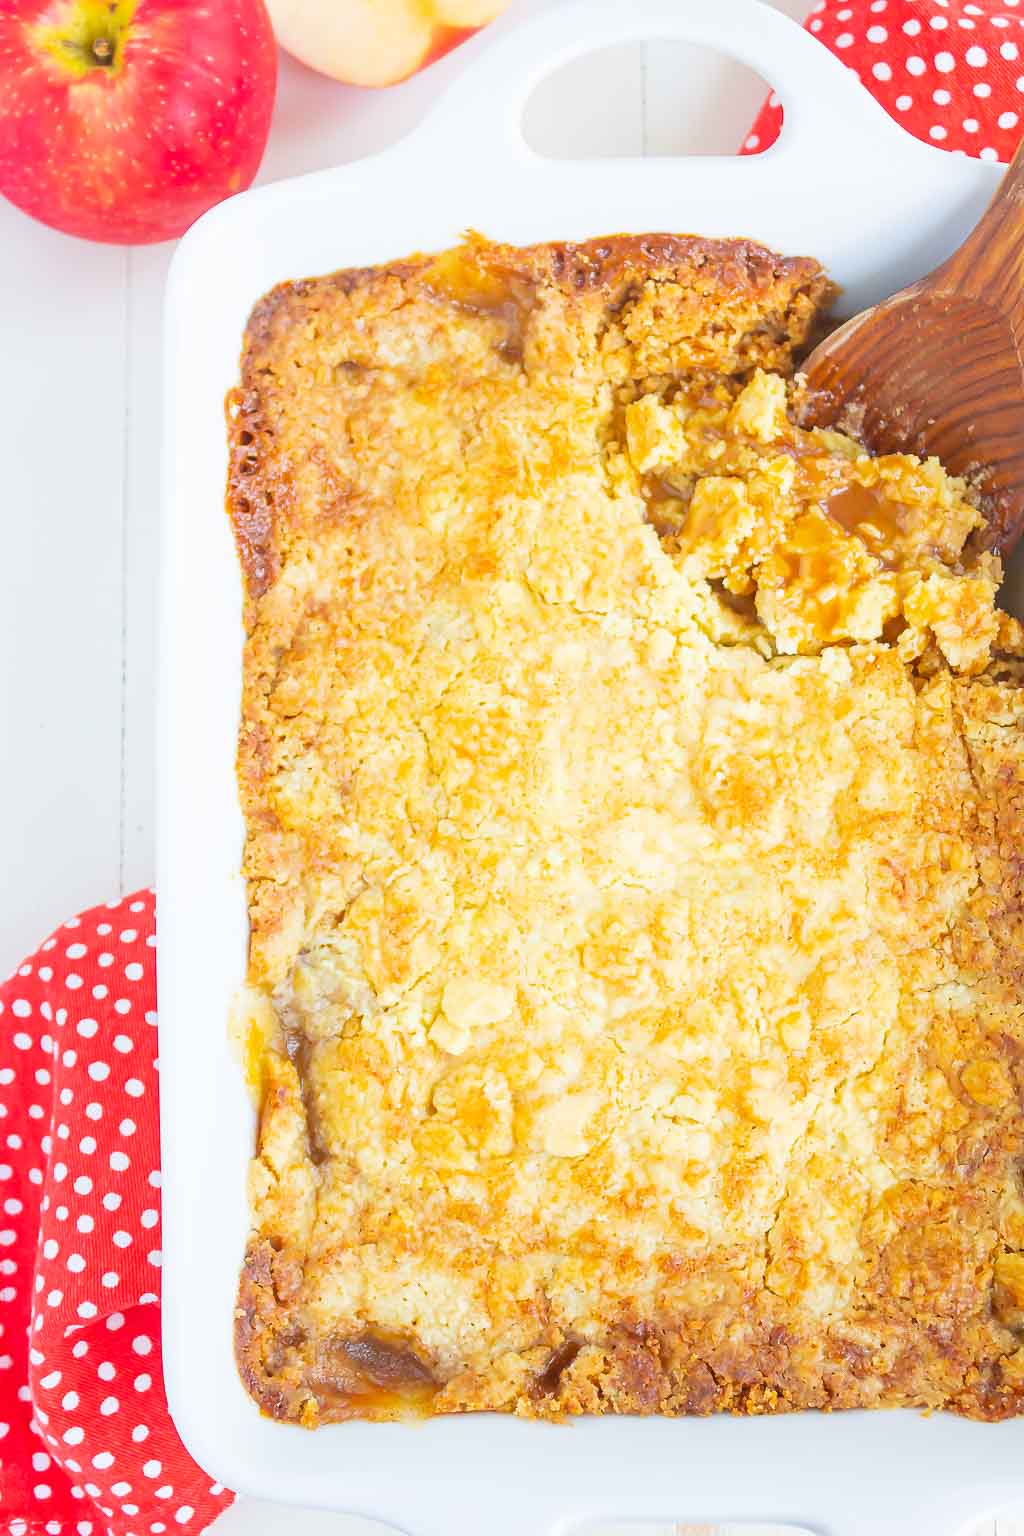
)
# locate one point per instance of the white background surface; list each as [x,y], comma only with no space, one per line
[79,399]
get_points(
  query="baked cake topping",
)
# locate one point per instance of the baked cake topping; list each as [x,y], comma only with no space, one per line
[632,791]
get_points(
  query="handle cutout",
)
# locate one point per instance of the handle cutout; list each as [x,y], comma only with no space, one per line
[660,99]
[604,91]
[699,101]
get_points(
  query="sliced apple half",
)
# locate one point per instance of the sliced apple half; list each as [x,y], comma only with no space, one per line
[467,13]
[363,42]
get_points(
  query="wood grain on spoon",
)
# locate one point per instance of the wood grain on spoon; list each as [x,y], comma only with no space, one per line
[937,369]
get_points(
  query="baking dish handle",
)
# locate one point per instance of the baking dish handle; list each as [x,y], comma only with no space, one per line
[826,107]
[506,1517]
[777,1475]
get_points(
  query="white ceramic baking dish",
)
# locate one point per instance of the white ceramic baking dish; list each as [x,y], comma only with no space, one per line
[844,184]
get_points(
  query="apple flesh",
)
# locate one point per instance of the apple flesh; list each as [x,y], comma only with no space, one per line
[376,42]
[124,120]
[467,13]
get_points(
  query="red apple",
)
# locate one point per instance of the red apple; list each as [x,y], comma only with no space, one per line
[124,120]
[376,42]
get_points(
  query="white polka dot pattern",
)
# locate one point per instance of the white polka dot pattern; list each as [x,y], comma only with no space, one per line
[929,63]
[88,1445]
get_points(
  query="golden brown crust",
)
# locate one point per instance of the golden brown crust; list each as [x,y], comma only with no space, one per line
[636,940]
[774,303]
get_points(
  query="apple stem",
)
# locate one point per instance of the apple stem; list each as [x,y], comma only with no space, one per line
[102,50]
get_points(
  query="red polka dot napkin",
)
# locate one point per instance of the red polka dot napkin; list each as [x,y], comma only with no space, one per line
[950,72]
[87,1446]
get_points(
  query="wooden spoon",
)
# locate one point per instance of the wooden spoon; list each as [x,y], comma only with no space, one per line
[938,369]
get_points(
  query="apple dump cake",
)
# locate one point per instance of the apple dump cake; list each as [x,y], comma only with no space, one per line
[634,791]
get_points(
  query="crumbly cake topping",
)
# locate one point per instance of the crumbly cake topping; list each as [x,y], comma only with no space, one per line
[631,782]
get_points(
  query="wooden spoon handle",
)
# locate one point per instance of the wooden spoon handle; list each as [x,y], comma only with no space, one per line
[989,266]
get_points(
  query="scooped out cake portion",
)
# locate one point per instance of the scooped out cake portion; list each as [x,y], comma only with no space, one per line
[826,544]
[634,786]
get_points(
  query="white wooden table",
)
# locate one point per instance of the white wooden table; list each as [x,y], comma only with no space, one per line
[80,403]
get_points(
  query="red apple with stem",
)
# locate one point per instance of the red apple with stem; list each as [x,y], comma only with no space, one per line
[124,120]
